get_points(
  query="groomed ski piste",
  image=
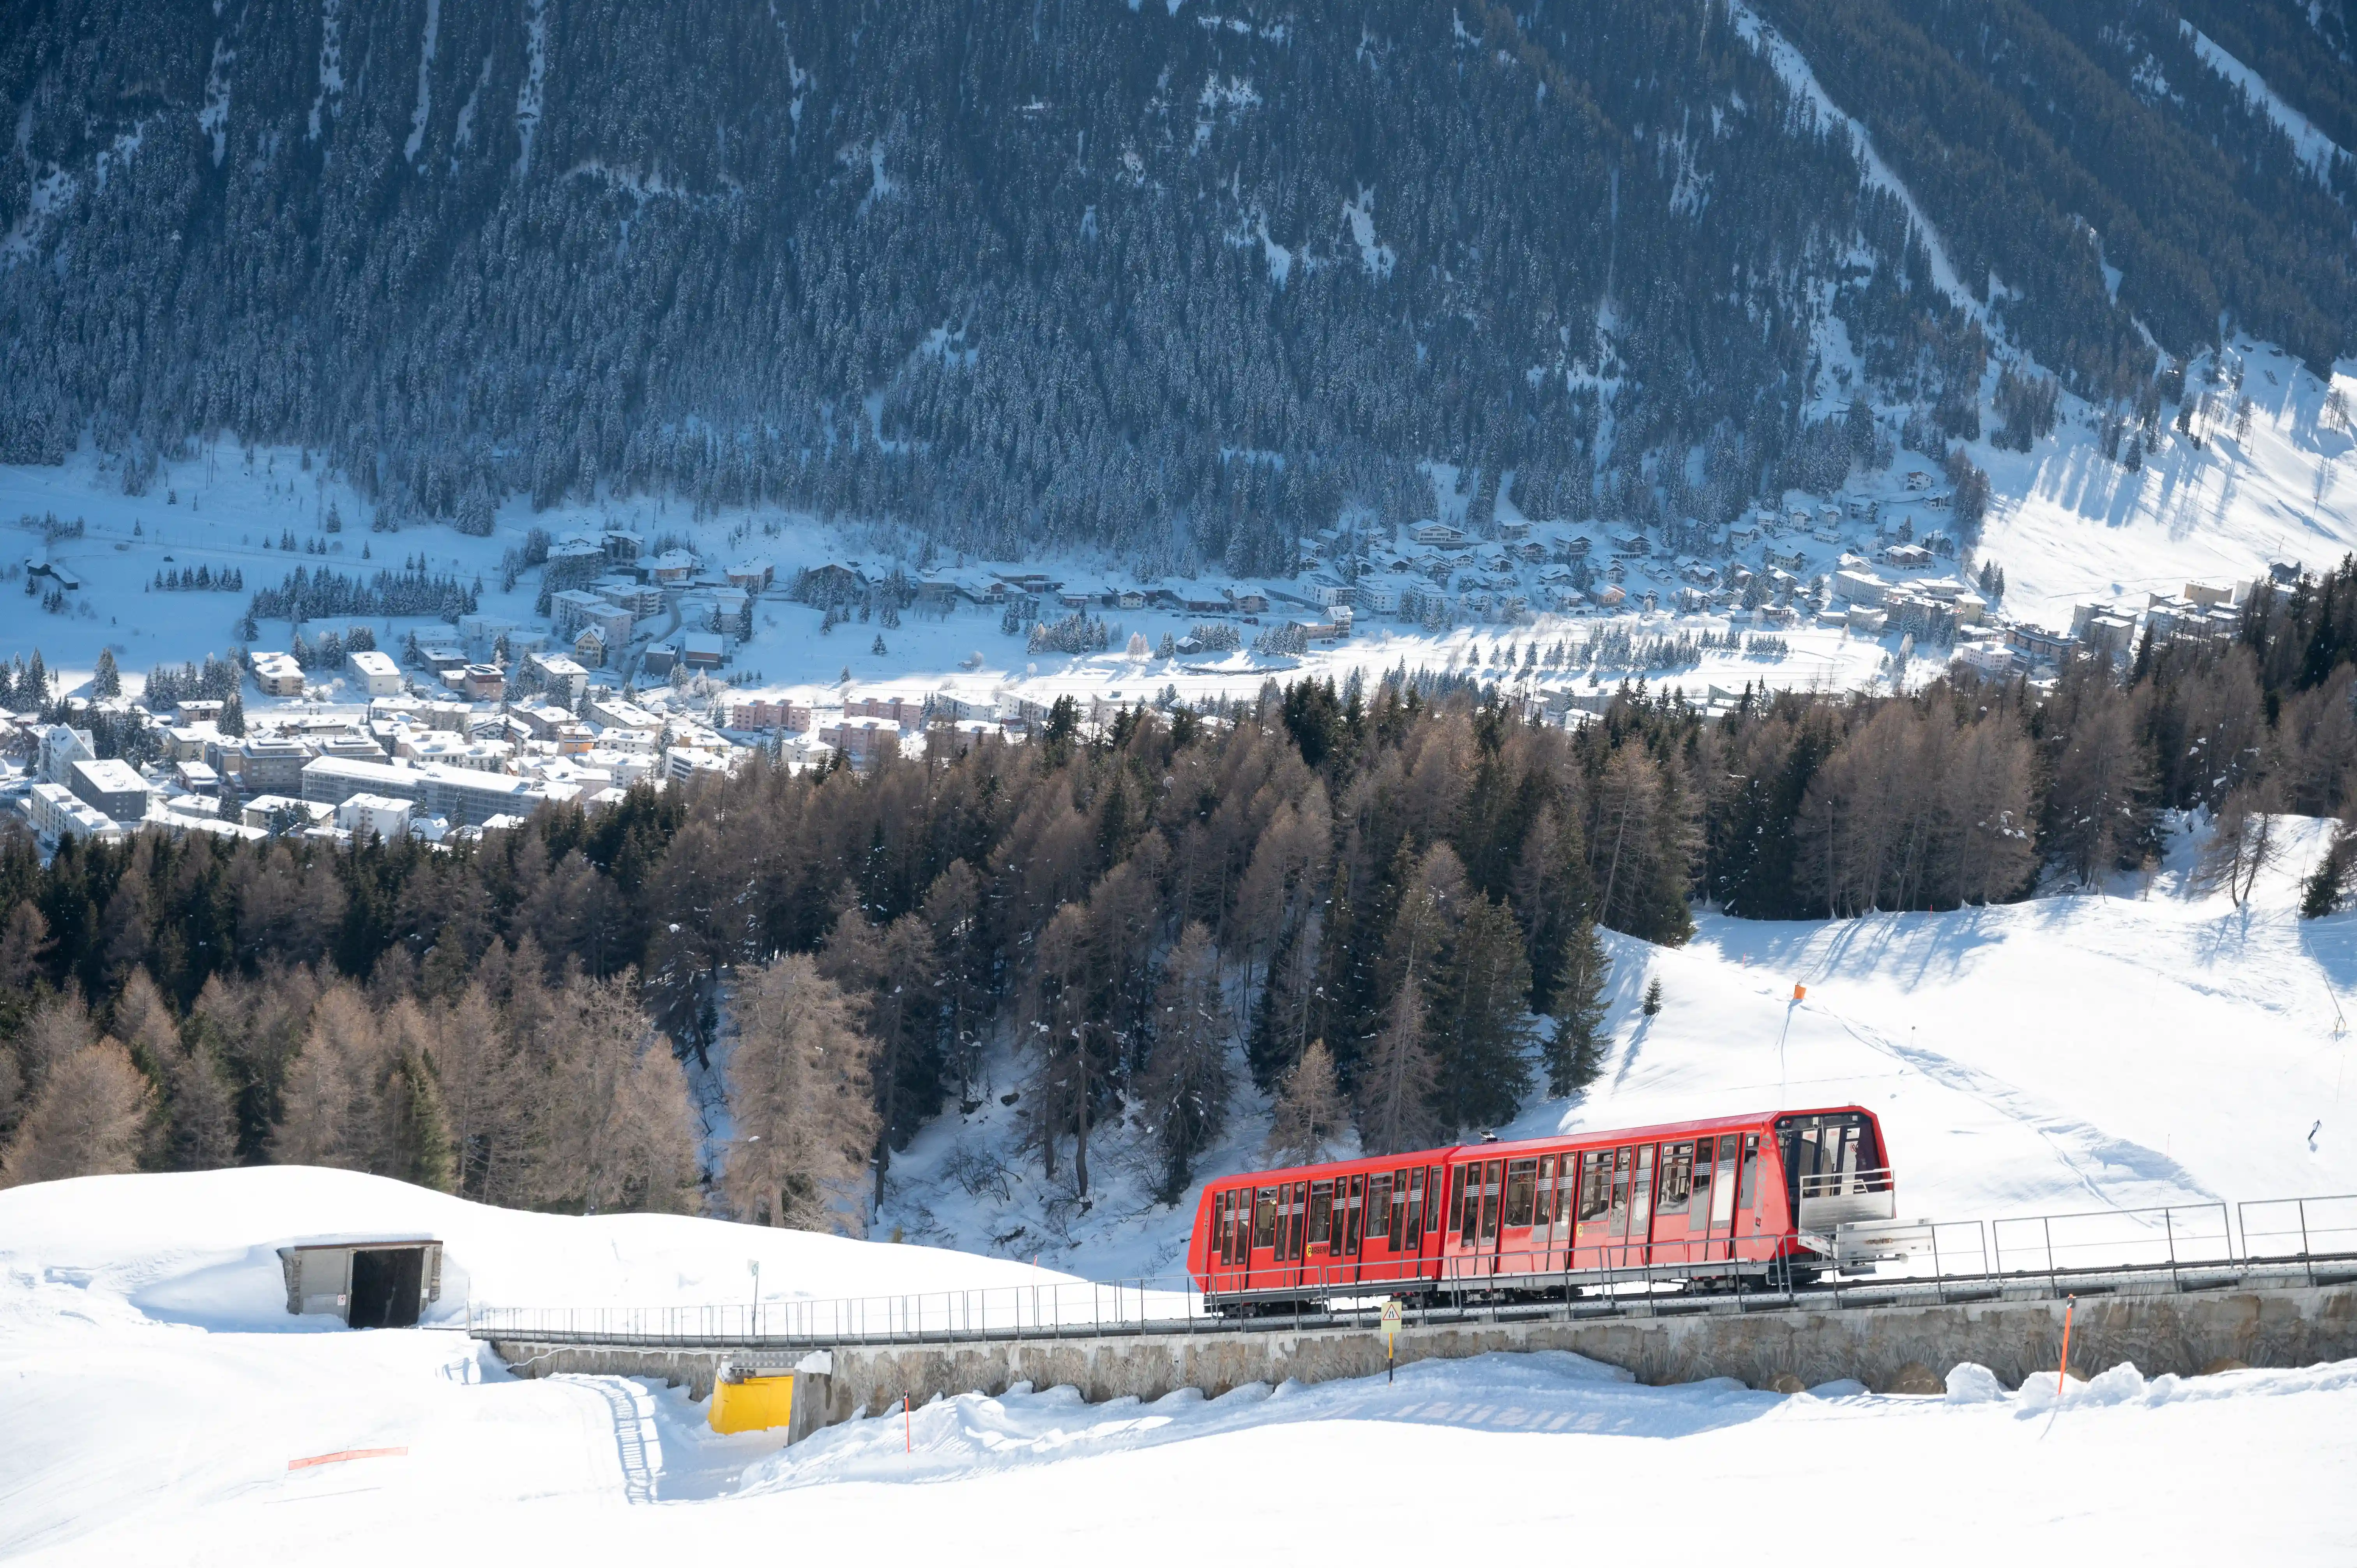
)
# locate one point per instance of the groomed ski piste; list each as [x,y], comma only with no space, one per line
[2074,1052]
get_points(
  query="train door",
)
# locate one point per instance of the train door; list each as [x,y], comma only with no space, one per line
[1259,1244]
[1715,1185]
[1220,1267]
[1473,1222]
[1415,1216]
[1375,1247]
[1292,1198]
[1517,1211]
[1592,1229]
[1353,1213]
[1673,1206]
[1565,1204]
[1318,1254]
[1641,1207]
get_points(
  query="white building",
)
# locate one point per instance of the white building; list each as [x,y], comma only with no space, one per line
[561,676]
[58,813]
[278,675]
[61,747]
[375,673]
[386,816]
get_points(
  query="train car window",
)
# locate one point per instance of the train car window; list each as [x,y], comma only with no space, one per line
[1223,1229]
[1722,1198]
[1547,1189]
[1451,1216]
[1379,1209]
[1352,1219]
[1265,1219]
[1747,1192]
[1522,1189]
[1705,1171]
[1490,1174]
[1595,1184]
[1619,1212]
[1641,1195]
[1566,1192]
[1322,1210]
[1414,1240]
[1677,1179]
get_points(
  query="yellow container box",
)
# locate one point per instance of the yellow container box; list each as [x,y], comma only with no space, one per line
[752,1404]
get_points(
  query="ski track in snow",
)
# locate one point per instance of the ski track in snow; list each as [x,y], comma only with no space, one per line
[2089,1153]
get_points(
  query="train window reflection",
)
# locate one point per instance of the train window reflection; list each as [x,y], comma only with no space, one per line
[1522,1189]
[1595,1182]
[1677,1179]
[1265,1219]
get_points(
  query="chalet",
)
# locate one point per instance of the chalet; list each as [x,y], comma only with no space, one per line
[703,649]
[673,568]
[1436,533]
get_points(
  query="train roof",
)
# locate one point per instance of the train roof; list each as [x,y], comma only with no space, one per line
[1578,1138]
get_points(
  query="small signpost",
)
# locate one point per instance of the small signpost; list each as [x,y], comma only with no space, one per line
[1390,1336]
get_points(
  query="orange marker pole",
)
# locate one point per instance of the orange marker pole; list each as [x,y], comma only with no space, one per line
[908,1422]
[2068,1303]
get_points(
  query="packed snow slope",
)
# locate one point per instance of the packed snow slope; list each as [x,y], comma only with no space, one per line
[2074,1052]
[154,1407]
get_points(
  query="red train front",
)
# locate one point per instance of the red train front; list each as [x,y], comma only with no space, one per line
[1705,1202]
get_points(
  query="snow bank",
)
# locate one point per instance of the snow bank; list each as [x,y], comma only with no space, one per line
[201,1250]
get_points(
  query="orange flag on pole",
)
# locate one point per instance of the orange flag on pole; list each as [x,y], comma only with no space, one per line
[1800,993]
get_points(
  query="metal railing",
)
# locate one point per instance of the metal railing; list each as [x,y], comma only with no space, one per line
[2175,1248]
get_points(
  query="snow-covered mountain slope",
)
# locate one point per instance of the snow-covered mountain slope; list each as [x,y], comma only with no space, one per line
[2072,1053]
[129,1433]
[2069,525]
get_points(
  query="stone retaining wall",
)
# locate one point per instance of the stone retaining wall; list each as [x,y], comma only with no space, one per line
[2181,1334]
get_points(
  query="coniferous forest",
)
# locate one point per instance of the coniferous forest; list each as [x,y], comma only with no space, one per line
[1019,275]
[1382,907]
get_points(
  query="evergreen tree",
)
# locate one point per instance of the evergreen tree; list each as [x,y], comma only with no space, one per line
[1576,1054]
[1483,1050]
[1183,1095]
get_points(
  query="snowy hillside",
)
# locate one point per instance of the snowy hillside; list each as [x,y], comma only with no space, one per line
[2070,1053]
[152,1408]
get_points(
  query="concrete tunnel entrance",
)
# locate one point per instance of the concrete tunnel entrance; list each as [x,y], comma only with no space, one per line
[370,1283]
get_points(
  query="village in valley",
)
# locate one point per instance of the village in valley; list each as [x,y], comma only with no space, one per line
[584,659]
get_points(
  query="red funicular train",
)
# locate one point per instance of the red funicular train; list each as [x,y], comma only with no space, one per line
[1705,1203]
